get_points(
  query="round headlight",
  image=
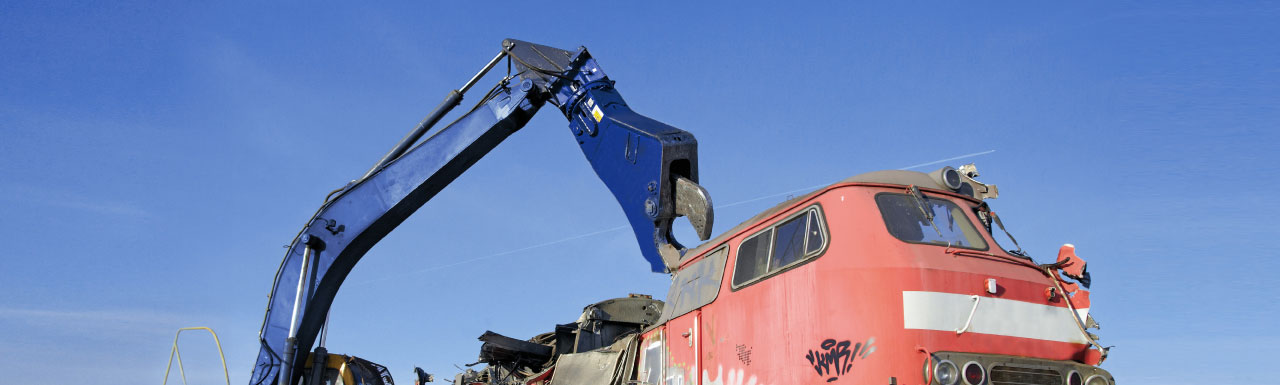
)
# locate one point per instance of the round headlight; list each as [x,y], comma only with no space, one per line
[1097,379]
[974,374]
[1074,379]
[950,178]
[946,373]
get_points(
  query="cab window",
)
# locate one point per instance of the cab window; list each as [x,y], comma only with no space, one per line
[788,243]
[949,227]
[696,285]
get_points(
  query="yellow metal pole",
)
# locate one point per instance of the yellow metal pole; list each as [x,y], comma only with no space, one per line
[175,352]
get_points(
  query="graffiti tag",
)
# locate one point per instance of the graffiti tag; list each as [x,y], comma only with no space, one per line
[744,354]
[733,377]
[834,358]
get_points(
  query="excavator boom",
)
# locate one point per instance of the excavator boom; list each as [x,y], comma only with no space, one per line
[650,167]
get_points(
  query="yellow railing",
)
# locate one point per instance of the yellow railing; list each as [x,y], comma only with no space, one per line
[175,352]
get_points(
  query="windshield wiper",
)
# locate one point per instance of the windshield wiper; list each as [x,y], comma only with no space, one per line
[924,209]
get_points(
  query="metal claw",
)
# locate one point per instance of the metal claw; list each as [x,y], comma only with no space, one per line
[693,202]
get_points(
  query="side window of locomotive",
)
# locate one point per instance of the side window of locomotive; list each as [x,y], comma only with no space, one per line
[695,285]
[753,256]
[949,227]
[785,244]
[816,238]
[789,242]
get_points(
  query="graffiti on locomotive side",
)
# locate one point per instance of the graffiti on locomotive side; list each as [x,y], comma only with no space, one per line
[733,377]
[744,354]
[676,374]
[834,358]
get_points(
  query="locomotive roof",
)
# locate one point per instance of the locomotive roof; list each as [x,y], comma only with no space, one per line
[898,177]
[894,177]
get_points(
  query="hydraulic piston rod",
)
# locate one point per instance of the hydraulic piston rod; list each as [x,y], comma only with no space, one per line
[291,342]
[450,101]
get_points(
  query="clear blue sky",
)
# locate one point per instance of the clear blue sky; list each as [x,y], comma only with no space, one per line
[155,158]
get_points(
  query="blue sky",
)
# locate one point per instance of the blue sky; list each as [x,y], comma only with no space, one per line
[156,157]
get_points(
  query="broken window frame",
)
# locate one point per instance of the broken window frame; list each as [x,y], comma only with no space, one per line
[952,209]
[711,267]
[645,366]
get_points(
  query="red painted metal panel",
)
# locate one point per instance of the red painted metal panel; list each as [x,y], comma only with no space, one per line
[682,350]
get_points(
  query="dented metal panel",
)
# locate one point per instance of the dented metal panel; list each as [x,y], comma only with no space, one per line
[612,365]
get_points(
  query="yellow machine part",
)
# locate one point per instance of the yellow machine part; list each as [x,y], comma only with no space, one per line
[336,370]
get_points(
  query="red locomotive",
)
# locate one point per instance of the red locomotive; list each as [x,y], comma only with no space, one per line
[890,277]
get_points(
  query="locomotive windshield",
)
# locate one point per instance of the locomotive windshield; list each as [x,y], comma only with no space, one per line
[948,227]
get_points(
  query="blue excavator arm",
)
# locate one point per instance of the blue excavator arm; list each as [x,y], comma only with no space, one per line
[650,167]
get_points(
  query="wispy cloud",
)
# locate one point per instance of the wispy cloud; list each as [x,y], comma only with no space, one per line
[102,323]
[45,339]
[127,316]
[48,197]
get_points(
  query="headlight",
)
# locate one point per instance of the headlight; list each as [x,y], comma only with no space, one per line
[1074,378]
[1097,379]
[947,177]
[946,373]
[974,374]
